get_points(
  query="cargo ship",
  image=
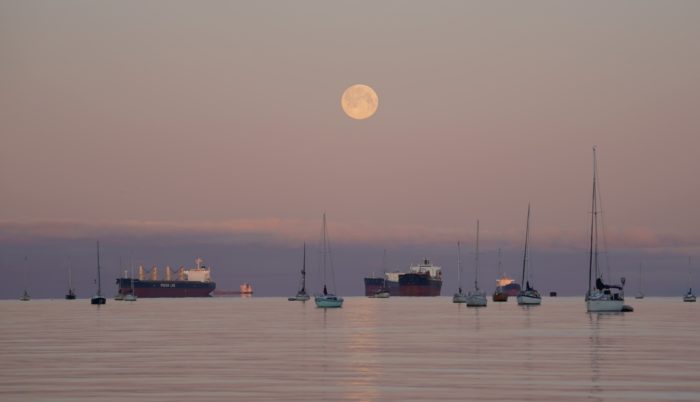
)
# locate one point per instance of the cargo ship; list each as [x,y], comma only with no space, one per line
[192,282]
[423,279]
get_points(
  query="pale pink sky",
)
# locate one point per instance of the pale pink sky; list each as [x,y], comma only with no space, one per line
[191,114]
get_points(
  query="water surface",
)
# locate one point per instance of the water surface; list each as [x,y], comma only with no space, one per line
[225,349]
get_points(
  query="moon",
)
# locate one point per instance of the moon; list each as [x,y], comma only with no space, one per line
[359,101]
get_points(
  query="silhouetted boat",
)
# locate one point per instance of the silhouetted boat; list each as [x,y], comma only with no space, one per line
[301,293]
[600,297]
[327,299]
[459,297]
[71,292]
[476,297]
[98,298]
[529,296]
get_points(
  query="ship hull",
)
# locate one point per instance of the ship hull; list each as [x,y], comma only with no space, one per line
[153,289]
[511,289]
[416,284]
[408,285]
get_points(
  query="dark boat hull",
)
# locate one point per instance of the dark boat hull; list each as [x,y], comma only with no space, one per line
[419,284]
[152,289]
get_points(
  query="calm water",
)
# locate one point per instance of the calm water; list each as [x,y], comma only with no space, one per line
[225,349]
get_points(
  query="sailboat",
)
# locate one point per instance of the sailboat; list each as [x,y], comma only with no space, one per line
[383,292]
[500,295]
[528,296]
[301,293]
[640,294]
[98,298]
[476,298]
[327,299]
[459,297]
[689,297]
[71,292]
[131,296]
[25,296]
[600,297]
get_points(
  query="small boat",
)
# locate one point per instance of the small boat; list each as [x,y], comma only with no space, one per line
[71,291]
[98,298]
[382,293]
[476,297]
[25,296]
[131,296]
[639,294]
[301,293]
[327,299]
[500,294]
[689,297]
[601,297]
[459,297]
[529,296]
[552,294]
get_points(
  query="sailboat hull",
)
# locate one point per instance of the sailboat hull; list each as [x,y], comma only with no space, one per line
[476,300]
[597,306]
[98,300]
[689,299]
[459,298]
[70,297]
[329,301]
[299,297]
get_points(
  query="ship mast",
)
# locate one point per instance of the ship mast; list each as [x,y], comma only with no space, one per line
[593,219]
[99,279]
[476,276]
[527,235]
[303,272]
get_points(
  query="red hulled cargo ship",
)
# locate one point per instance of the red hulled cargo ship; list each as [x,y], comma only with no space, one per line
[193,282]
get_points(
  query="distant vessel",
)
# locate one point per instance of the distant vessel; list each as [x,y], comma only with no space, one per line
[98,298]
[600,297]
[504,286]
[383,292]
[689,297]
[131,296]
[529,296]
[476,297]
[193,282]
[459,297]
[423,279]
[246,289]
[25,296]
[640,294]
[301,293]
[327,299]
[71,292]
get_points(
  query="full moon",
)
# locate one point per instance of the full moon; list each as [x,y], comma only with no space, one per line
[359,101]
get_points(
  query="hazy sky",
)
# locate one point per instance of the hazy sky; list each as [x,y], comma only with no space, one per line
[222,120]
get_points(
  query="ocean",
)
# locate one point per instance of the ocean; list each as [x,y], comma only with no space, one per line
[423,349]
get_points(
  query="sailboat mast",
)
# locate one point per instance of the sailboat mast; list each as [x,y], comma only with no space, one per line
[590,253]
[476,275]
[527,235]
[459,266]
[99,281]
[324,249]
[303,271]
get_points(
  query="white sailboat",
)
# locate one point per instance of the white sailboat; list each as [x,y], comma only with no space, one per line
[476,297]
[689,297]
[383,292]
[640,293]
[528,296]
[132,295]
[98,298]
[600,297]
[459,297]
[327,299]
[301,293]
